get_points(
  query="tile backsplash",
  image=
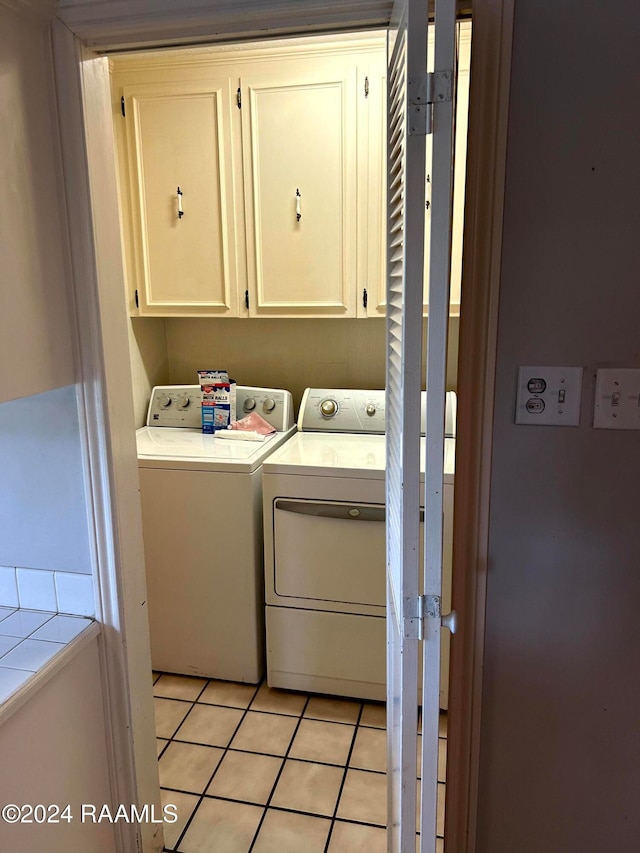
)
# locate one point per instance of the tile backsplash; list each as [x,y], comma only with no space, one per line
[38,589]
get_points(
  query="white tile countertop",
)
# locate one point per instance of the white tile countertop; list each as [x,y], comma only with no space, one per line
[33,644]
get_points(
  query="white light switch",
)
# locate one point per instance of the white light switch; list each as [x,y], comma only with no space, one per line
[549,395]
[617,403]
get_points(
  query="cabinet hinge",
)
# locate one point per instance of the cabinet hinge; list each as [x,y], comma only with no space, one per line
[246,299]
[137,301]
[366,87]
[122,109]
[365,298]
[239,98]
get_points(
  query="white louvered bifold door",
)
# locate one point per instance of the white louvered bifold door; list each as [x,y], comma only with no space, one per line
[417,103]
[442,93]
[407,63]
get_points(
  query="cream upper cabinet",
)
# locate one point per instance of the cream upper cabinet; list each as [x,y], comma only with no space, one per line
[376,229]
[267,152]
[183,210]
[300,162]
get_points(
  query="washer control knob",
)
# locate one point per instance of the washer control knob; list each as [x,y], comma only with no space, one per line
[269,404]
[328,408]
[184,401]
[165,400]
[371,409]
[249,404]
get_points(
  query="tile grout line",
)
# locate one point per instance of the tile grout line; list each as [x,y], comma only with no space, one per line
[285,809]
[344,777]
[277,713]
[273,755]
[224,752]
[277,779]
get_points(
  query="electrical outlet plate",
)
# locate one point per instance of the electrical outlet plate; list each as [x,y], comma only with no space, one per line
[617,403]
[549,396]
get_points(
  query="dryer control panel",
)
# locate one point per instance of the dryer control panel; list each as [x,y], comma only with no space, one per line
[358,411]
[341,410]
[179,406]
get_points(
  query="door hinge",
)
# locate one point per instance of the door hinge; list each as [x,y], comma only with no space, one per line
[137,302]
[365,298]
[435,87]
[416,611]
[246,299]
[239,98]
[366,87]
[122,109]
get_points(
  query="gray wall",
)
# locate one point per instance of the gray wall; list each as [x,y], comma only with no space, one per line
[43,514]
[560,744]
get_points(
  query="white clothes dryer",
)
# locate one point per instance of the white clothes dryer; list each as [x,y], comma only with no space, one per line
[201,501]
[325,552]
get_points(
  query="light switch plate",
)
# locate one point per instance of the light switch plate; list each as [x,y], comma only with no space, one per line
[549,396]
[617,404]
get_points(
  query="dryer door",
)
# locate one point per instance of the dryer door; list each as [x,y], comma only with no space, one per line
[330,551]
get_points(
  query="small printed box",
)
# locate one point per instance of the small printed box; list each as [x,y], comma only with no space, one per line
[218,399]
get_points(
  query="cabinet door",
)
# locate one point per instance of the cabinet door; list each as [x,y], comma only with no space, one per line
[299,144]
[180,160]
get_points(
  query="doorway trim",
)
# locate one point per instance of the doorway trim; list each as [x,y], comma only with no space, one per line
[491,48]
[99,295]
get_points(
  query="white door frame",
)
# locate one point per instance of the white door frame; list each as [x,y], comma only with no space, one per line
[87,148]
[107,425]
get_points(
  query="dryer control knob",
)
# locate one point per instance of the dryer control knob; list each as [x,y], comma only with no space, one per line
[371,409]
[328,408]
[184,402]
[165,400]
[269,405]
[249,404]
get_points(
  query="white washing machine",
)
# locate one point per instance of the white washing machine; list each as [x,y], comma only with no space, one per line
[325,553]
[202,523]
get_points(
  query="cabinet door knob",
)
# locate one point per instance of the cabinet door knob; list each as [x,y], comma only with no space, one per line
[180,210]
[298,206]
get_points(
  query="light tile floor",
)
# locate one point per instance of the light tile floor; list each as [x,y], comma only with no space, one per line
[256,770]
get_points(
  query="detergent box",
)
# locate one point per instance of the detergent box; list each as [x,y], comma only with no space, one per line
[218,399]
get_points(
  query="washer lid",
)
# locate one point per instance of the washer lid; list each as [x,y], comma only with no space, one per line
[167,447]
[343,455]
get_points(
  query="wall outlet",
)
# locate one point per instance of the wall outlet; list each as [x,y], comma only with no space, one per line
[617,404]
[549,396]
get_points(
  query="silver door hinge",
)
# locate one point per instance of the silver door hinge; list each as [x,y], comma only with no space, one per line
[366,87]
[239,98]
[122,106]
[416,610]
[422,607]
[435,87]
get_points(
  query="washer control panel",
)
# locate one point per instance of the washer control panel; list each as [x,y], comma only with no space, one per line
[341,410]
[179,406]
